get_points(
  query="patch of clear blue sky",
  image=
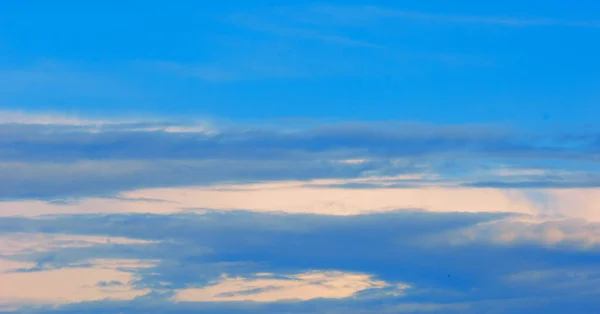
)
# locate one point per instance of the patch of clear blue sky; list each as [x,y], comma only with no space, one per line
[530,63]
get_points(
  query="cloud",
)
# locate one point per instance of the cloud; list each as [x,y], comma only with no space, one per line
[323,197]
[31,273]
[341,216]
[550,232]
[223,261]
[7,265]
[102,157]
[296,198]
[176,215]
[298,42]
[286,44]
[358,14]
[66,285]
[268,288]
[71,284]
[348,141]
[28,242]
[58,123]
[260,24]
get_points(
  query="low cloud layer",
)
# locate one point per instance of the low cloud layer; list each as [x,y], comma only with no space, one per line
[56,157]
[125,141]
[127,217]
[243,261]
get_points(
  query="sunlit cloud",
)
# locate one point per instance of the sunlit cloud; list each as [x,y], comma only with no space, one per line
[301,158]
[27,243]
[229,200]
[290,197]
[7,265]
[86,206]
[104,279]
[329,197]
[332,201]
[26,281]
[235,257]
[547,232]
[271,288]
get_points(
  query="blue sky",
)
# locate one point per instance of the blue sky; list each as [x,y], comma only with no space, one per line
[299,157]
[433,61]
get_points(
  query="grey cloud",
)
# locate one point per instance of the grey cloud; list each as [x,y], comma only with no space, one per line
[61,161]
[321,306]
[110,283]
[195,249]
[25,143]
[555,305]
[57,182]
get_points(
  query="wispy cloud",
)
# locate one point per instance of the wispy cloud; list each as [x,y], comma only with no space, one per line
[361,14]
[299,31]
[293,44]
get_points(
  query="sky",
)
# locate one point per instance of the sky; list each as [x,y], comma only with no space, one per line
[299,157]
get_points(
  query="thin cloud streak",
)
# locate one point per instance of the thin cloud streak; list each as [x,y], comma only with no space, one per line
[258,24]
[351,14]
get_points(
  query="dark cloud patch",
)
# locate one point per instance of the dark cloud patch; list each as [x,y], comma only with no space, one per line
[111,283]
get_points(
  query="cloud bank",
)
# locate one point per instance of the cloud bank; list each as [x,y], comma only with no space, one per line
[92,157]
[125,216]
[404,261]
